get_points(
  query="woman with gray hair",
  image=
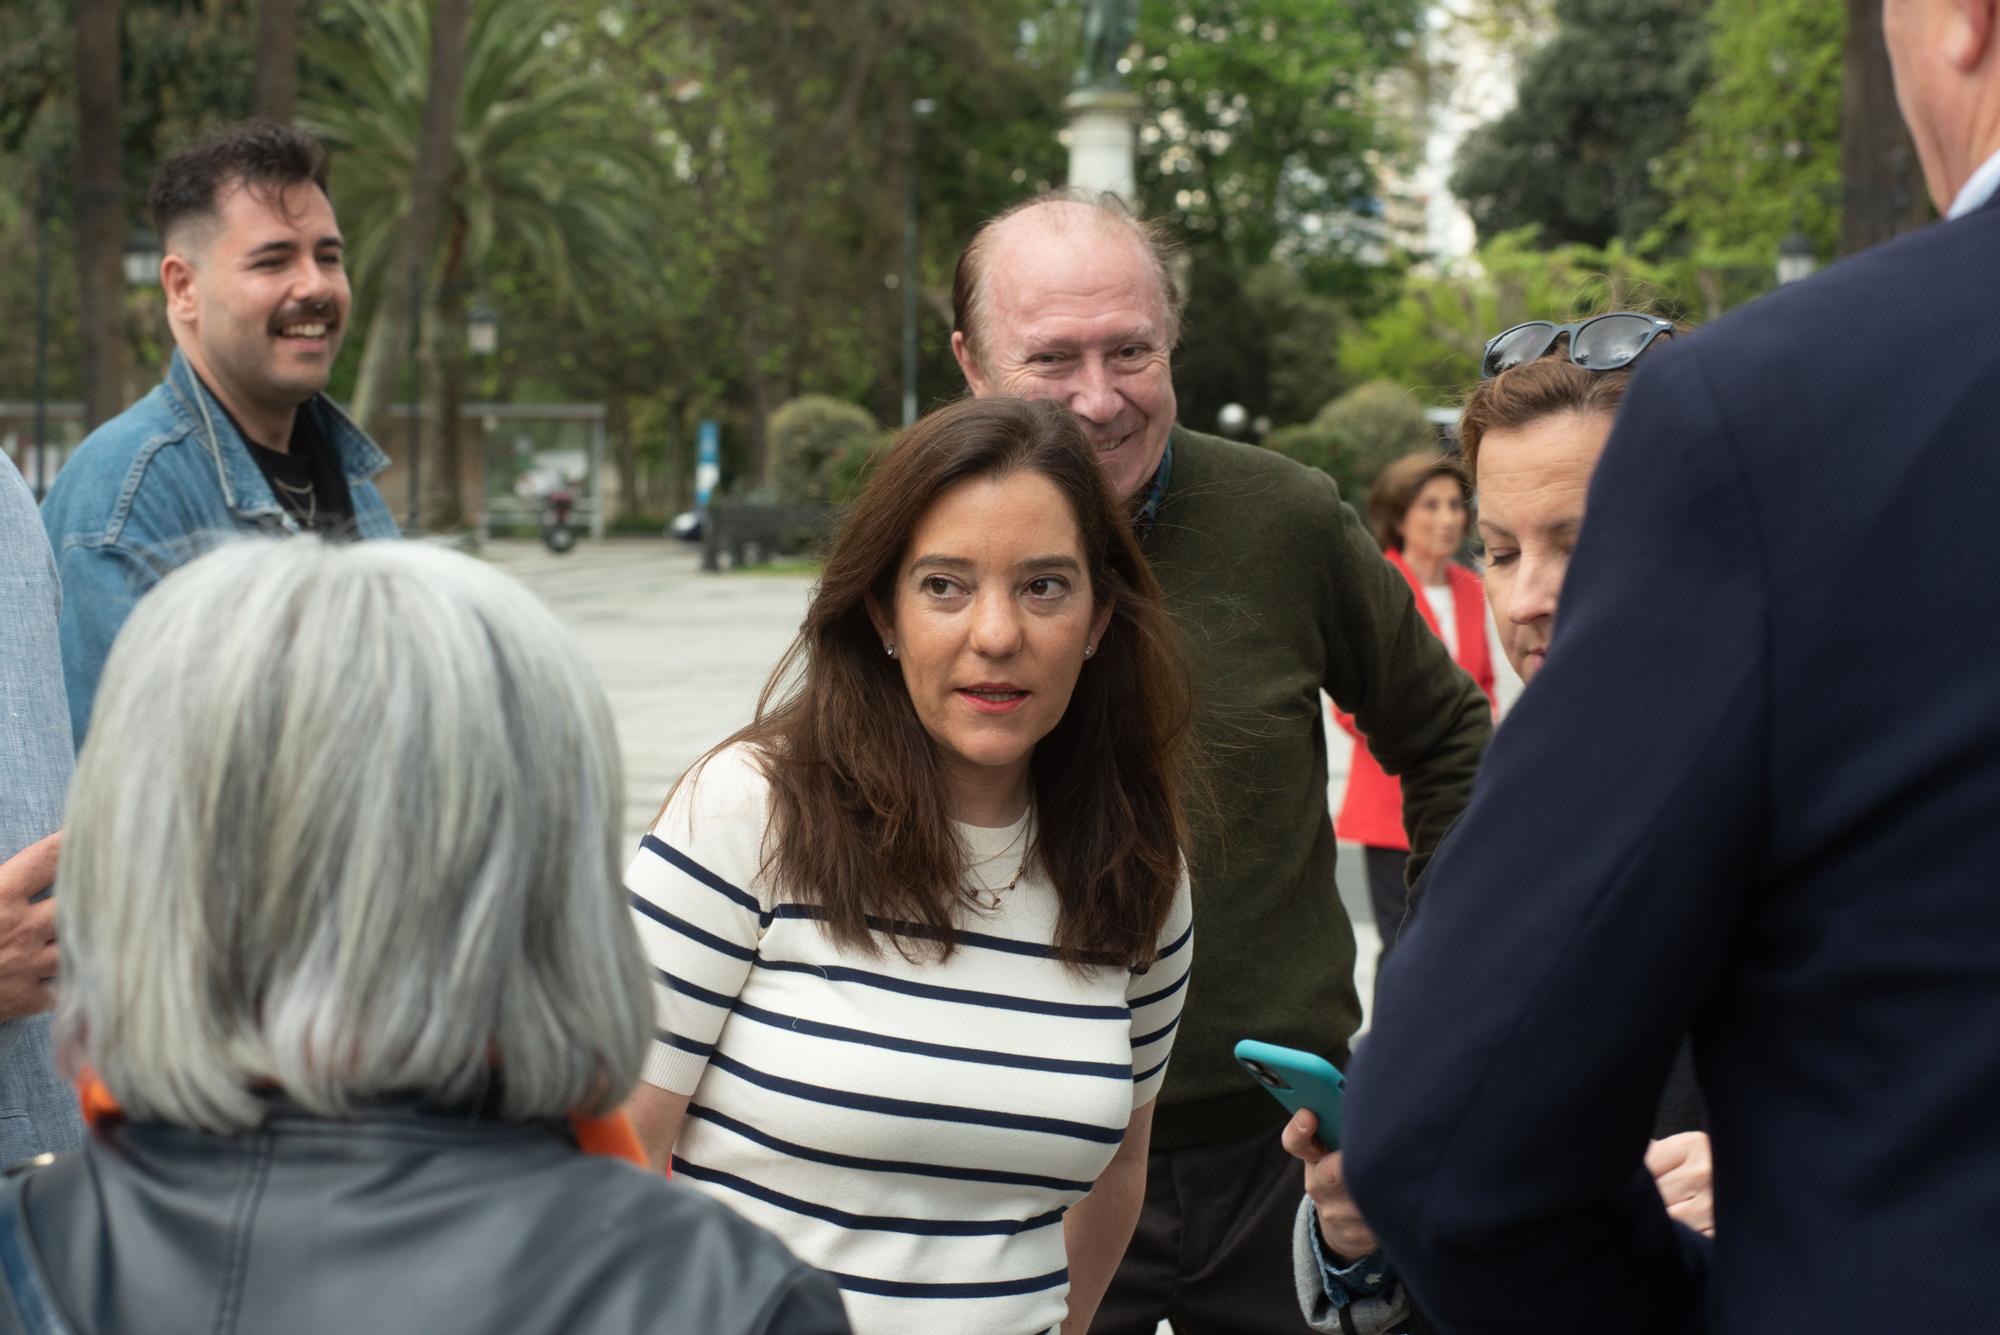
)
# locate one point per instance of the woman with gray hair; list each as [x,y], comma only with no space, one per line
[348,975]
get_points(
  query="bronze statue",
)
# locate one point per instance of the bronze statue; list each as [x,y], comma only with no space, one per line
[1108,26]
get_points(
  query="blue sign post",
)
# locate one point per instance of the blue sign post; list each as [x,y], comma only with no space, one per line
[707,461]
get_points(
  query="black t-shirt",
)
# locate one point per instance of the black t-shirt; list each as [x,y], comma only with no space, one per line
[307,479]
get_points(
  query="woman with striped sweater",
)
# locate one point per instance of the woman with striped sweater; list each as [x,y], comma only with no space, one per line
[921,931]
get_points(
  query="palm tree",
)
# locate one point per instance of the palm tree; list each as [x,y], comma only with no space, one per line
[535,158]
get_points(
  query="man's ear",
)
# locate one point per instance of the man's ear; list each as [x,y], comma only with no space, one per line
[968,364]
[177,283]
[1970,43]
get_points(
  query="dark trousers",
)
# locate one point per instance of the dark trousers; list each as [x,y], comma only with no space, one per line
[1387,895]
[1213,1250]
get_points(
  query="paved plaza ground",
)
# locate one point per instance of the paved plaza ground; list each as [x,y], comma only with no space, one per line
[684,654]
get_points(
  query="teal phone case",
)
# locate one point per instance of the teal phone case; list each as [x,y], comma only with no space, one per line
[1297,1080]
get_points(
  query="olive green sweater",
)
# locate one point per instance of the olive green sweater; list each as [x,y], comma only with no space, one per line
[1282,593]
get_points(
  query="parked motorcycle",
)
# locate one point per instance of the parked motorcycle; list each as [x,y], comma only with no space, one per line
[558,533]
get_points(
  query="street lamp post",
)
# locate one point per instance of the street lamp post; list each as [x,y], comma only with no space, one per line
[416,382]
[1796,259]
[142,259]
[45,210]
[919,109]
[482,340]
[482,328]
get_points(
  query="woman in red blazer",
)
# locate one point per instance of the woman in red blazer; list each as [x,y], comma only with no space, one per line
[1419,509]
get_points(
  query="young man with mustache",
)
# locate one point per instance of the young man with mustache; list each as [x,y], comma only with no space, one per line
[239,436]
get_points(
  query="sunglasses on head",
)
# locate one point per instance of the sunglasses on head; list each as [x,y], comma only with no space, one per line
[1606,343]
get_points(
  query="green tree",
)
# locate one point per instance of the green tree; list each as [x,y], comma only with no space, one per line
[1265,339]
[180,70]
[1261,144]
[1598,106]
[1358,434]
[536,155]
[100,211]
[1260,123]
[1429,339]
[1762,151]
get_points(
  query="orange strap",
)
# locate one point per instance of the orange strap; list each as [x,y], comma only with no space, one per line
[610,1135]
[99,1108]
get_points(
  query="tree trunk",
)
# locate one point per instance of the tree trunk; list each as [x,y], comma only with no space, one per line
[277,92]
[100,211]
[445,370]
[1882,181]
[625,445]
[390,332]
[756,453]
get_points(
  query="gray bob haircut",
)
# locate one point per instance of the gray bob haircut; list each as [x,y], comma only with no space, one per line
[346,824]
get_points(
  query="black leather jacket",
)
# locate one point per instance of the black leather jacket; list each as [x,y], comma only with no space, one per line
[399,1220]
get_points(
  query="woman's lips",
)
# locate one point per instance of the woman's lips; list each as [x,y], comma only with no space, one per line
[993,699]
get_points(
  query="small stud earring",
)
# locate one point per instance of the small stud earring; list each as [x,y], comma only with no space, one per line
[890,649]
[1089,649]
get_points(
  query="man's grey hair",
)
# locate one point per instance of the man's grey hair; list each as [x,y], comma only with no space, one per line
[347,825]
[971,305]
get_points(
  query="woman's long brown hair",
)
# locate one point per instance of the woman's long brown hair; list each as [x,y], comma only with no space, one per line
[860,826]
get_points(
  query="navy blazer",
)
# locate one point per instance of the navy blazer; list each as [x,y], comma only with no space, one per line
[1755,794]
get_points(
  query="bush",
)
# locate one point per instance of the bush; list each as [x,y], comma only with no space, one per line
[808,438]
[850,470]
[1309,444]
[1356,436]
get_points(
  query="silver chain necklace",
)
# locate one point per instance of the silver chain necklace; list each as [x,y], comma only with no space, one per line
[306,496]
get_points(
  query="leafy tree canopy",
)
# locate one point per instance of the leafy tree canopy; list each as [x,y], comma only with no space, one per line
[1261,118]
[1598,108]
[1355,437]
[1430,338]
[1762,151]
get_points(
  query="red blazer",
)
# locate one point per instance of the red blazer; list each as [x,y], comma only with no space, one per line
[1372,812]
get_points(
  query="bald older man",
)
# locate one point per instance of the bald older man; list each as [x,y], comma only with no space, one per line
[1753,793]
[1282,594]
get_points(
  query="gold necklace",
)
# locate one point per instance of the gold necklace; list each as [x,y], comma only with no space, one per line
[989,899]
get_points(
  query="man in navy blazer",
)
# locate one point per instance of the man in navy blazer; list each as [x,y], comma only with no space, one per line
[1772,714]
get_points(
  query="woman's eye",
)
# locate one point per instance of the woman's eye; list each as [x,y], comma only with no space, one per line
[1047,586]
[937,586]
[1500,558]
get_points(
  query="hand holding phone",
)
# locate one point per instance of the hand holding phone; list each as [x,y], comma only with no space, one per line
[1298,1080]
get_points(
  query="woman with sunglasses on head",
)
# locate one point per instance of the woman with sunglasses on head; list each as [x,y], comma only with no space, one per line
[1418,510]
[1531,432]
[922,929]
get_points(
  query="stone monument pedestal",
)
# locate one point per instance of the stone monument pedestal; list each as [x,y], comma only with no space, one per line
[1103,138]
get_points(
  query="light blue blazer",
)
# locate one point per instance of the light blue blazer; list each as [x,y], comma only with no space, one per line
[38,1109]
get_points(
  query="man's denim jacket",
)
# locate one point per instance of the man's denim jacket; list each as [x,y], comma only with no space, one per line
[153,488]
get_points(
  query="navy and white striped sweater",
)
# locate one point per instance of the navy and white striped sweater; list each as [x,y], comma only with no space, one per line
[917,1129]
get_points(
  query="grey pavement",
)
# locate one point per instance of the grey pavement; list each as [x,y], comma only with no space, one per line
[683,656]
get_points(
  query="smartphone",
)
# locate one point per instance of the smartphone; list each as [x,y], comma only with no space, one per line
[1298,1080]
